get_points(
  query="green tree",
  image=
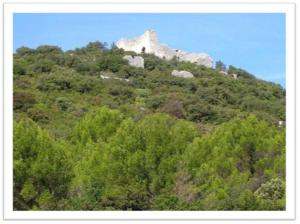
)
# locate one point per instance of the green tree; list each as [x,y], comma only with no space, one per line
[235,154]
[98,126]
[41,165]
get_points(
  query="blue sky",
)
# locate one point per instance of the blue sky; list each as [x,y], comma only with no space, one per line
[252,41]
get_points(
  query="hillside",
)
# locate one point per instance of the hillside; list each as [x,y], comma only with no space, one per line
[93,133]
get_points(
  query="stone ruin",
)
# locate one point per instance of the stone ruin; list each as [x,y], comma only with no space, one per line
[148,43]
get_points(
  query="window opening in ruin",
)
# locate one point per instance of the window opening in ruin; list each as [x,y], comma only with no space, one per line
[143,50]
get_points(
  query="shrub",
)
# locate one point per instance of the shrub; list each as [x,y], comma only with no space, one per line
[22,51]
[43,66]
[130,71]
[200,112]
[48,49]
[38,115]
[23,101]
[151,62]
[20,67]
[111,62]
[174,108]
[64,104]
[86,84]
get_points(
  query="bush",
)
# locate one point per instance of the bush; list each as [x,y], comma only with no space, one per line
[174,108]
[111,62]
[24,51]
[122,91]
[23,101]
[62,84]
[38,114]
[201,112]
[48,49]
[85,85]
[20,66]
[151,62]
[43,66]
[55,82]
[271,195]
[64,104]
[130,71]
[155,102]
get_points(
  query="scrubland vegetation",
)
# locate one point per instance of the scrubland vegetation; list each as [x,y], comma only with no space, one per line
[143,139]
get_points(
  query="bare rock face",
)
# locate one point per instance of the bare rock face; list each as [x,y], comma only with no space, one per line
[136,61]
[148,43]
[182,74]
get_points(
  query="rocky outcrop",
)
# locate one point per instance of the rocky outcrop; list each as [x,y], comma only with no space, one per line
[148,43]
[136,61]
[182,74]
[235,76]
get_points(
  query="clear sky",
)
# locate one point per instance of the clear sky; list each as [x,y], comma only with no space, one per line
[252,41]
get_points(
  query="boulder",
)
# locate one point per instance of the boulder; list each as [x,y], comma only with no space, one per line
[182,74]
[136,61]
[223,72]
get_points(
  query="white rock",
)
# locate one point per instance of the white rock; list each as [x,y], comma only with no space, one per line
[126,80]
[105,77]
[113,77]
[235,76]
[182,74]
[148,43]
[136,61]
[223,72]
[281,124]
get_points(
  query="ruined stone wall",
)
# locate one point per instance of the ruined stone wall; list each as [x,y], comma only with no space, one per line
[148,43]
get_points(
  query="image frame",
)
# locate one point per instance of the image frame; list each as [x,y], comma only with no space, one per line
[104,7]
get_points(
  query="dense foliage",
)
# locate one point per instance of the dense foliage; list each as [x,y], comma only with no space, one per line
[93,133]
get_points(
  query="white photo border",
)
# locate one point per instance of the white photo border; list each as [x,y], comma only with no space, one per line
[11,8]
